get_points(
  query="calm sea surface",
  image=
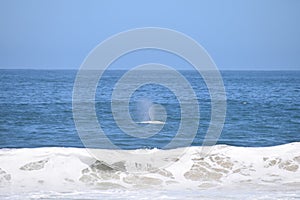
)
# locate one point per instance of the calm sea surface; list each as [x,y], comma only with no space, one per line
[263,109]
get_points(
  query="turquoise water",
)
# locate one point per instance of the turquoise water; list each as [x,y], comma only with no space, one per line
[263,109]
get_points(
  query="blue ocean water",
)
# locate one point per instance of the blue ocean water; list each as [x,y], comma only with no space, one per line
[263,109]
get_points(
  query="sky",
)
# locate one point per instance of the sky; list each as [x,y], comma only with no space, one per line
[238,35]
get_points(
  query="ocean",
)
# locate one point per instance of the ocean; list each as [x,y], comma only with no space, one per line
[257,155]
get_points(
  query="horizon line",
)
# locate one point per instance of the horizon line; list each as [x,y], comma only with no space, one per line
[119,69]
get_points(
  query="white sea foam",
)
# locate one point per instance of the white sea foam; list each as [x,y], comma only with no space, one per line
[151,122]
[71,173]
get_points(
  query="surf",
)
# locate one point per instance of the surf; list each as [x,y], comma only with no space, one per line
[74,169]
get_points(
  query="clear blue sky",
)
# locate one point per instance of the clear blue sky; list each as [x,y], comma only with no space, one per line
[250,34]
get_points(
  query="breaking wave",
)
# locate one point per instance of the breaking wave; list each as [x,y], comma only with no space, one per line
[74,169]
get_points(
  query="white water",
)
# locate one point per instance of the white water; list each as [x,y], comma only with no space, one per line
[227,172]
[152,122]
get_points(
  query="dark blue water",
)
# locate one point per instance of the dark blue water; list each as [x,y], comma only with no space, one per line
[263,109]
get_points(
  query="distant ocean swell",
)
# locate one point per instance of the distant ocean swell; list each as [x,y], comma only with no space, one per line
[73,169]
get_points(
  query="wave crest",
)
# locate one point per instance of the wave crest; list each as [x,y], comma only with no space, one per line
[226,166]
